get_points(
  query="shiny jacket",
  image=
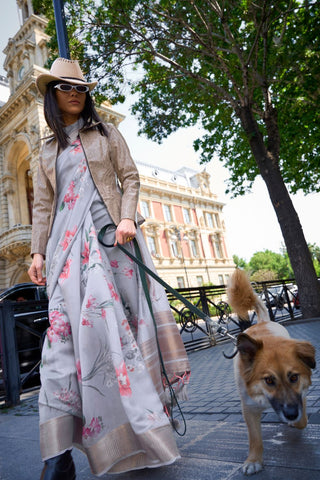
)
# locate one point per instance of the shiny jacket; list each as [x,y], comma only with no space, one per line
[109,160]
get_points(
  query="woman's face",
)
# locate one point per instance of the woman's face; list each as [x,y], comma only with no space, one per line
[70,104]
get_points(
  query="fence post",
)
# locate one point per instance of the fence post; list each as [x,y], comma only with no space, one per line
[204,301]
[10,357]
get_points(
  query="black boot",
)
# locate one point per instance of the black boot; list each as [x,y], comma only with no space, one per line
[59,468]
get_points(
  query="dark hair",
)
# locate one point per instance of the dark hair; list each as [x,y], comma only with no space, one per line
[54,116]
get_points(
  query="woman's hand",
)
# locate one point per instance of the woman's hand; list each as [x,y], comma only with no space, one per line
[126,231]
[35,271]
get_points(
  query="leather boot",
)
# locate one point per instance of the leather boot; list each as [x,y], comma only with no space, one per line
[59,468]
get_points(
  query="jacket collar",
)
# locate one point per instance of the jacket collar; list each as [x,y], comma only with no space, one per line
[50,138]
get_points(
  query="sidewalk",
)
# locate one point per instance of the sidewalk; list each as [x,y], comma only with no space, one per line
[215,444]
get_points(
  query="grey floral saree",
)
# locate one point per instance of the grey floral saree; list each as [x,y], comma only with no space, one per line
[102,385]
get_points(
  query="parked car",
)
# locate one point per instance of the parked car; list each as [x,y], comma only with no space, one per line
[277,295]
[29,303]
[23,292]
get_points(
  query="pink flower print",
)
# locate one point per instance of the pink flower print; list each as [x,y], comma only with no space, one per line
[114,264]
[93,429]
[142,322]
[86,323]
[85,253]
[128,272]
[126,324]
[66,270]
[78,367]
[91,302]
[103,314]
[92,232]
[82,168]
[68,238]
[69,398]
[113,292]
[70,198]
[59,329]
[99,256]
[123,381]
[77,146]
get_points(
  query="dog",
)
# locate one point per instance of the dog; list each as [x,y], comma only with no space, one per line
[271,369]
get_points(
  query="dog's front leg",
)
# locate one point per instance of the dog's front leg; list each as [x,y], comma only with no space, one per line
[252,417]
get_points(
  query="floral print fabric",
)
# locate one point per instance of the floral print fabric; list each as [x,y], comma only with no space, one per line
[100,363]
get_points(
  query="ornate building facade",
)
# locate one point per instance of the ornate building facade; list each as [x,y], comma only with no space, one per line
[184,225]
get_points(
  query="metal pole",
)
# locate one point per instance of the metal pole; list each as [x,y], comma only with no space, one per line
[62,35]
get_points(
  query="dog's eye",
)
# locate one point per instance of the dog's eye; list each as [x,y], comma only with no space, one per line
[270,381]
[293,378]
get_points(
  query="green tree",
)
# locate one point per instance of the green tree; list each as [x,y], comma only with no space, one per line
[315,254]
[239,262]
[246,71]
[268,261]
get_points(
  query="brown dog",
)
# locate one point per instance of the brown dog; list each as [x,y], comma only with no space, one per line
[271,369]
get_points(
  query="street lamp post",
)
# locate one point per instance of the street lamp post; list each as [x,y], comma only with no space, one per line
[177,234]
[62,35]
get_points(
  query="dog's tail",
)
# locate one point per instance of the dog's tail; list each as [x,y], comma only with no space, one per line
[243,298]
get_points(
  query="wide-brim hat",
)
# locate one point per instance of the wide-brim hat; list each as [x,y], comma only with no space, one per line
[66,70]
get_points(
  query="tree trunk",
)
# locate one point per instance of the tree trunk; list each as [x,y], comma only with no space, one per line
[267,159]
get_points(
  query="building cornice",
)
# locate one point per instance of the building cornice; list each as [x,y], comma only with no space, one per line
[25,93]
[172,191]
[15,243]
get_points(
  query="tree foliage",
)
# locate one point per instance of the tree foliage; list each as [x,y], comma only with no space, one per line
[276,263]
[197,62]
[245,71]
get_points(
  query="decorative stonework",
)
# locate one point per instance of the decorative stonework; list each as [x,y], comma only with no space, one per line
[7,181]
[15,243]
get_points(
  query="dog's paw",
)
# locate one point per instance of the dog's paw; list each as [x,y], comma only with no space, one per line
[249,468]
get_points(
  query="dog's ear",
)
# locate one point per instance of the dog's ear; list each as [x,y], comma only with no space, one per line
[248,346]
[306,352]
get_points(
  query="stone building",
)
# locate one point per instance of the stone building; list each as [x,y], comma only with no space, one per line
[184,226]
[188,250]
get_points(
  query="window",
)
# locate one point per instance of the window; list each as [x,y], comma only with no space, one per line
[193,247]
[186,215]
[217,246]
[227,279]
[145,211]
[217,219]
[151,245]
[180,282]
[167,213]
[220,277]
[199,280]
[174,247]
[209,220]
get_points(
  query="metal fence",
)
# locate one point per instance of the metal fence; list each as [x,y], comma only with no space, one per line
[23,326]
[280,297]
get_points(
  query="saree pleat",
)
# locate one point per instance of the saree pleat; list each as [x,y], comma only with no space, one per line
[102,383]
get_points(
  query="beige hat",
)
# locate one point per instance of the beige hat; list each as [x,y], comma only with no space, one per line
[63,69]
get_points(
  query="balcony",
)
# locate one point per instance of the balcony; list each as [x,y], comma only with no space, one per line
[15,242]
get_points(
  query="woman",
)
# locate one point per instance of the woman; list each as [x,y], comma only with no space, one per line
[102,387]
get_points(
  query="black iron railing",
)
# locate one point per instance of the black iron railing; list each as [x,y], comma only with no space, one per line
[280,297]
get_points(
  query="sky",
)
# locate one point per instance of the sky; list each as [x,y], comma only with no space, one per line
[251,223]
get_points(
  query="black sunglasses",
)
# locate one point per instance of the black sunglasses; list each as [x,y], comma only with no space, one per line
[67,87]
